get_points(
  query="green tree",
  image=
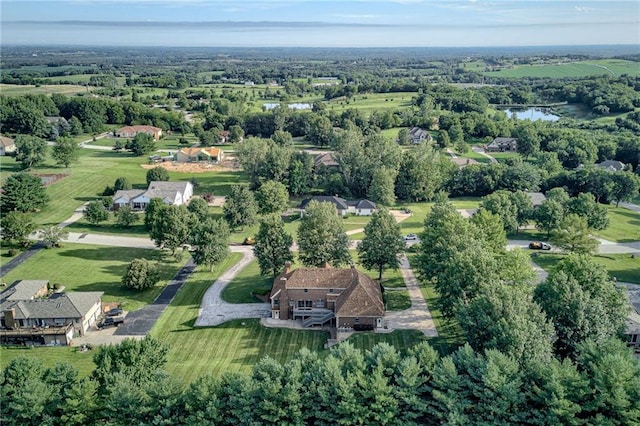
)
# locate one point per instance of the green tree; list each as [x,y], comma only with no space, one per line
[75,126]
[500,203]
[210,242]
[65,151]
[235,134]
[582,302]
[585,206]
[300,173]
[614,382]
[53,235]
[507,319]
[16,226]
[30,150]
[574,236]
[199,208]
[95,212]
[403,136]
[272,197]
[443,139]
[240,207]
[122,183]
[625,186]
[126,217]
[491,228]
[142,144]
[382,243]
[252,154]
[152,212]
[141,274]
[381,189]
[321,236]
[422,172]
[273,245]
[528,139]
[548,216]
[157,174]
[524,207]
[23,192]
[172,227]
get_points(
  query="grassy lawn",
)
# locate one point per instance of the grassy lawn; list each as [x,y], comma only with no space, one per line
[574,69]
[44,89]
[396,300]
[83,361]
[233,346]
[622,266]
[399,339]
[110,227]
[624,225]
[246,283]
[80,267]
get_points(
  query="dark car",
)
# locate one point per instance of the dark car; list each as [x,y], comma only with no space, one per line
[110,321]
[537,245]
[114,312]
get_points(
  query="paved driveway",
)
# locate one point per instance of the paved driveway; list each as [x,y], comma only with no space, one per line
[417,316]
[215,311]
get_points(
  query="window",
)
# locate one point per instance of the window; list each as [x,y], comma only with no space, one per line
[320,303]
[357,321]
[306,290]
[276,303]
[330,290]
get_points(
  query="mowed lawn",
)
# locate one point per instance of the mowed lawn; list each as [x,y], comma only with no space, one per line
[623,267]
[49,356]
[612,67]
[81,267]
[624,225]
[232,346]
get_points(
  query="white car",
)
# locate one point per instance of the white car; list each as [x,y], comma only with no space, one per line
[410,237]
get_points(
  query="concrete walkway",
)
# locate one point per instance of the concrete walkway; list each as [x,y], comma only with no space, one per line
[417,316]
[215,311]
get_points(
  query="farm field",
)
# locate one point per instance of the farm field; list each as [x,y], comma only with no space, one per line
[614,67]
[367,103]
[45,89]
[80,267]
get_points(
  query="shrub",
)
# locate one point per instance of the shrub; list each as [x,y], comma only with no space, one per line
[13,252]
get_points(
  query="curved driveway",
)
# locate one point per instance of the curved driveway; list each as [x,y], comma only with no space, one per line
[215,311]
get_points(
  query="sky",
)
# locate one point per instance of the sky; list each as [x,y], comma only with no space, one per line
[319,23]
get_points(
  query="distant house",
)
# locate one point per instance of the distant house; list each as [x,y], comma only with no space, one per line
[344,207]
[503,145]
[418,135]
[611,165]
[224,136]
[59,125]
[171,193]
[327,160]
[132,131]
[343,298]
[7,145]
[29,314]
[633,328]
[197,154]
[537,198]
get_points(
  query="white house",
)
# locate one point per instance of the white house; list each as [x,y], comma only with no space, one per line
[171,193]
[344,207]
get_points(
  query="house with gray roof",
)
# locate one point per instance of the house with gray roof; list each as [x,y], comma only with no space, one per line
[611,165]
[418,135]
[503,145]
[29,313]
[7,145]
[340,297]
[357,207]
[171,193]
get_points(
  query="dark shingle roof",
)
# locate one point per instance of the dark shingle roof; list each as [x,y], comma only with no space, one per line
[23,290]
[340,203]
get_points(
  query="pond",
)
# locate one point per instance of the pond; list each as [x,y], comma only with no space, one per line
[533,114]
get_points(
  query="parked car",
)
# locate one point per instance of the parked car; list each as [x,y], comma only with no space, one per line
[537,245]
[410,237]
[249,241]
[115,312]
[110,322]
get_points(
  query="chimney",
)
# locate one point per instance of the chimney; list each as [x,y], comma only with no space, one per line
[10,318]
[287,267]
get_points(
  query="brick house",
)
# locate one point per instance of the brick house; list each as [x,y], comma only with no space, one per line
[339,297]
[132,131]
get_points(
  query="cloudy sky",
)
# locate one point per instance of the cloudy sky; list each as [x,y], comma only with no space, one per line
[320,23]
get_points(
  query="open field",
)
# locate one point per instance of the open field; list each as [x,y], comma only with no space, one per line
[80,267]
[612,67]
[45,89]
[621,266]
[370,102]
